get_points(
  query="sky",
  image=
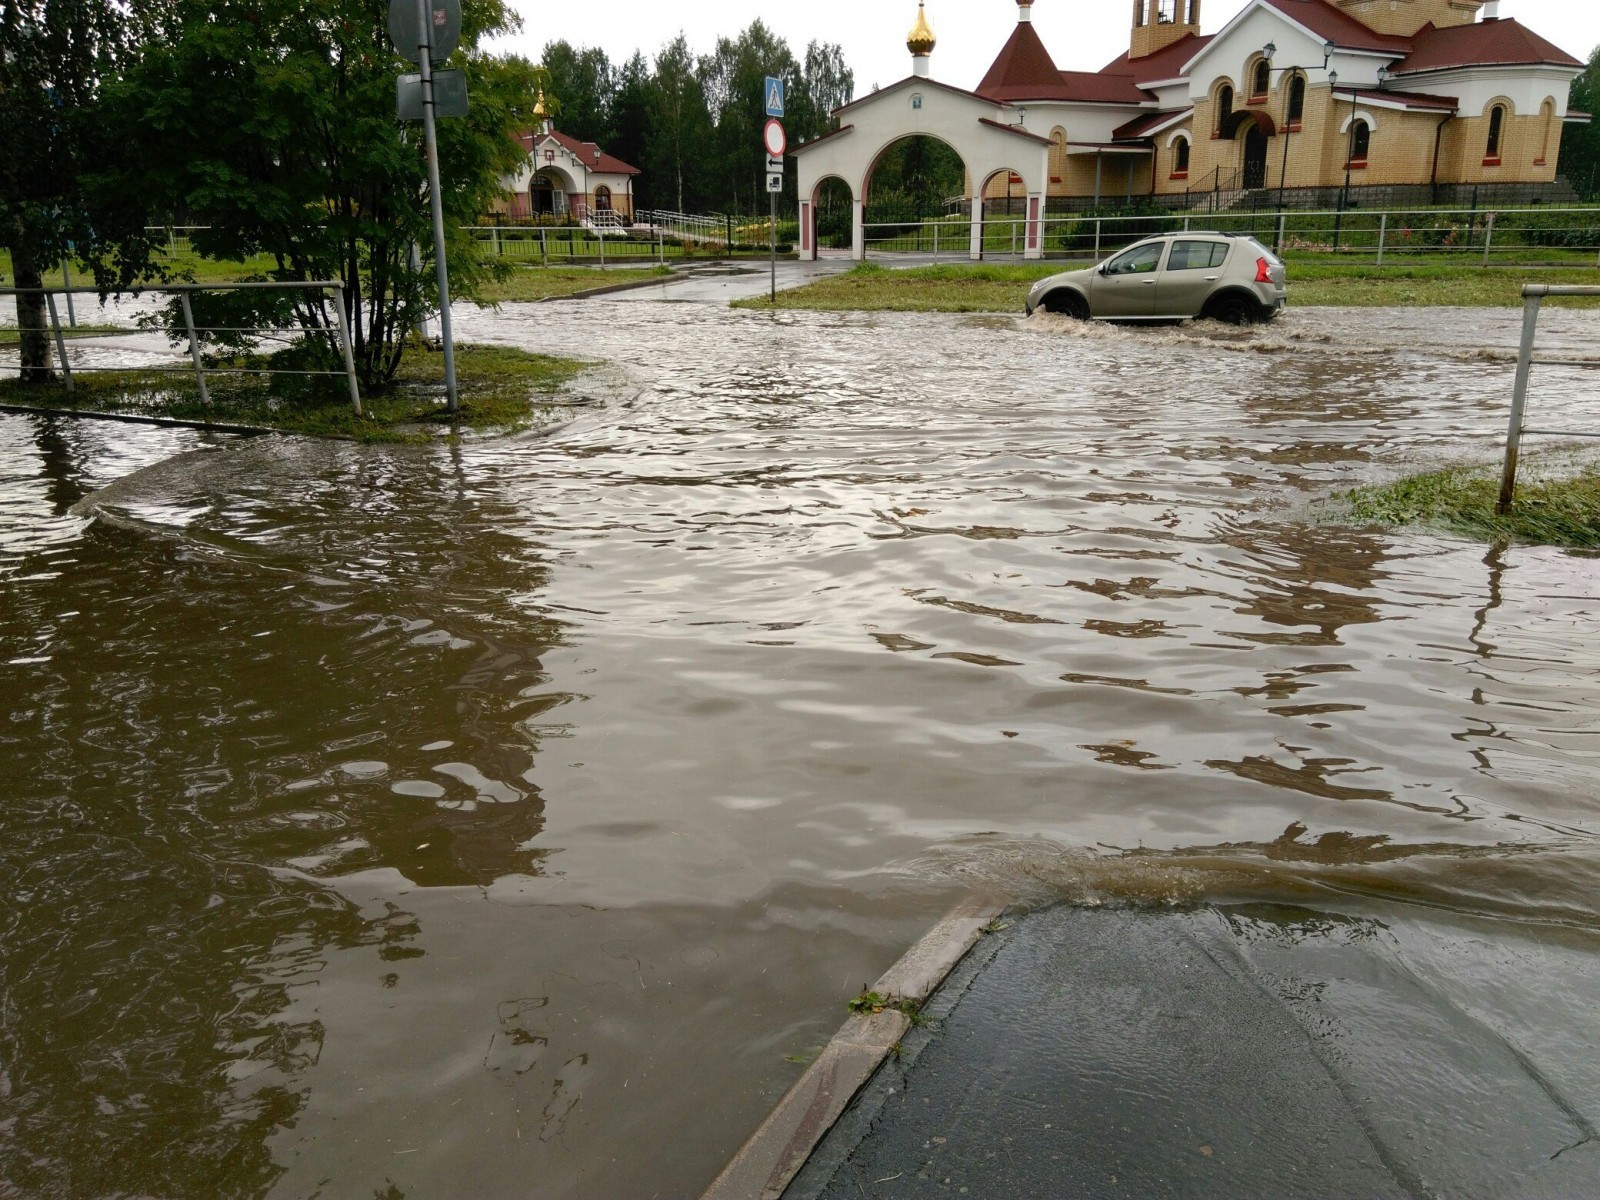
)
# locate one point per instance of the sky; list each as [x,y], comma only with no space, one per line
[1083,35]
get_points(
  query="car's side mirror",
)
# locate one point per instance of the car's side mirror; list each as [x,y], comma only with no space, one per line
[1101,269]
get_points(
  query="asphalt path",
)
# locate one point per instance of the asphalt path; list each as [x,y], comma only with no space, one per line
[1258,1050]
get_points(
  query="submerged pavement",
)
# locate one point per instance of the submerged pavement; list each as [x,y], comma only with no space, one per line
[1255,1050]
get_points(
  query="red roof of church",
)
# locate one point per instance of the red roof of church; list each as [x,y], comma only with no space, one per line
[1023,70]
[1337,26]
[1503,42]
[1166,63]
[584,152]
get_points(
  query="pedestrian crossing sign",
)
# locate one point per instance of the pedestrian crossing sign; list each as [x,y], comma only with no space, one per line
[774,96]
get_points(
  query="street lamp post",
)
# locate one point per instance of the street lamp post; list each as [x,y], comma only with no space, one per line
[1350,152]
[1267,53]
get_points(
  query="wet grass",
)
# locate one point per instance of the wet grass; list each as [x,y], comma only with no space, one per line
[181,265]
[1318,283]
[986,287]
[1559,506]
[10,338]
[502,390]
[955,288]
[526,284]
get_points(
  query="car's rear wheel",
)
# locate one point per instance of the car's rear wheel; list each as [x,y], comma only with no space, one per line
[1233,309]
[1067,304]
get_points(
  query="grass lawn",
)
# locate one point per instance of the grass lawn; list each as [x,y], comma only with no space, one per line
[547,283]
[502,390]
[986,287]
[1314,282]
[1555,507]
[957,288]
[526,282]
[10,339]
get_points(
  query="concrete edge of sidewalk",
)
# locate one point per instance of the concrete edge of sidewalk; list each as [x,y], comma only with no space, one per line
[774,1154]
[612,288]
[676,269]
[32,410]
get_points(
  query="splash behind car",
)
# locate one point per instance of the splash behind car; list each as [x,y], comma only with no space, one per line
[1171,278]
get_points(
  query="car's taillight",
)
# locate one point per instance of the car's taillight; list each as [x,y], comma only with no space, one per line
[1263,271]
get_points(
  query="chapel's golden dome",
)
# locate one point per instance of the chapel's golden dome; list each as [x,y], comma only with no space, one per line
[921,41]
[539,106]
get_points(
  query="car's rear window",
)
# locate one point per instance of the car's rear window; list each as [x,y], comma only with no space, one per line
[1258,248]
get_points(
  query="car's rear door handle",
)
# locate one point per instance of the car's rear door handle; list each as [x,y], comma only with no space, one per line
[1149,283]
[1212,278]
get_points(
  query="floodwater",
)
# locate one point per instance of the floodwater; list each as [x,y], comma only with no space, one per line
[499,821]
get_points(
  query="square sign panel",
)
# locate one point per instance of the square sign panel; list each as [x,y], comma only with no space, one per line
[449,95]
[774,183]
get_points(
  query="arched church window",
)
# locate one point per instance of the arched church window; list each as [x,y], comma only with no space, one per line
[1224,107]
[1261,80]
[1180,158]
[1360,143]
[1547,113]
[1297,99]
[1497,124]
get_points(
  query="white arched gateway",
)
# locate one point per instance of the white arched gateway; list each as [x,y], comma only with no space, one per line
[990,136]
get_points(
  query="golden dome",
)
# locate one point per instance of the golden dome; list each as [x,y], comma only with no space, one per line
[539,108]
[920,41]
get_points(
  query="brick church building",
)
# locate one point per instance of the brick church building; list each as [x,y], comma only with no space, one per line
[1298,94]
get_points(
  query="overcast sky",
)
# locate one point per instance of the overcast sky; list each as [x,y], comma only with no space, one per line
[1083,35]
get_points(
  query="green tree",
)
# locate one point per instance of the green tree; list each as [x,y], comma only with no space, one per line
[581,83]
[272,122]
[826,83]
[1580,144]
[734,76]
[58,164]
[630,118]
[677,165]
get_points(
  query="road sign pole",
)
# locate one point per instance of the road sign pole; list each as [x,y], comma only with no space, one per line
[772,231]
[431,142]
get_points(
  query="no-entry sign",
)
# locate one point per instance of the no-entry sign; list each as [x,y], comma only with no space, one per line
[775,139]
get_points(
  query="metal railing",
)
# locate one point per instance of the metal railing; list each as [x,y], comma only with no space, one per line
[1533,298]
[699,227]
[1488,237]
[570,243]
[201,372]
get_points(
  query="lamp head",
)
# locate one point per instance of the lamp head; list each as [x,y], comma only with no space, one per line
[1268,51]
[1333,79]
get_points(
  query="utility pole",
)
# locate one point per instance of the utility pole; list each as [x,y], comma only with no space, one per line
[430,136]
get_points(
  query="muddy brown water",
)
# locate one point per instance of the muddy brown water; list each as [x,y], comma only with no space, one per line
[498,821]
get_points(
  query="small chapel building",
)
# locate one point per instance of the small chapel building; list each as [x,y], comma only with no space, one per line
[564,179]
[1404,101]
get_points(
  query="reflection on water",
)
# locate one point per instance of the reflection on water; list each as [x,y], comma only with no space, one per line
[426,821]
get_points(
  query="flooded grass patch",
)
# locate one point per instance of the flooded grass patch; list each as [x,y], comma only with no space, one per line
[956,288]
[525,284]
[992,287]
[502,390]
[11,338]
[1553,508]
[1322,284]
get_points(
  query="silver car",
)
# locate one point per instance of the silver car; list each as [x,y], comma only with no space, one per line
[1171,278]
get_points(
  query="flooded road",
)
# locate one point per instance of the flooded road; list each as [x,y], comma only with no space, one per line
[499,821]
